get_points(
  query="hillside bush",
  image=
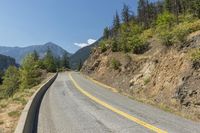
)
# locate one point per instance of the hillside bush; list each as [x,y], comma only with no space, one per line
[115,64]
[195,56]
[178,33]
[115,45]
[165,20]
[147,34]
[181,31]
[166,37]
[131,38]
[138,45]
[103,46]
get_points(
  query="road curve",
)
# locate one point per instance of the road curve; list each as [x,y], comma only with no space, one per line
[66,109]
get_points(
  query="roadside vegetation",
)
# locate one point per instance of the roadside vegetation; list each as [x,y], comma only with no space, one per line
[115,64]
[159,39]
[17,84]
[29,74]
[171,21]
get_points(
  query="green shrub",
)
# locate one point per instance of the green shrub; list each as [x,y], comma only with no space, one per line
[165,20]
[14,114]
[181,31]
[103,47]
[20,100]
[147,80]
[187,18]
[147,34]
[195,55]
[138,45]
[114,46]
[3,105]
[115,64]
[166,37]
[132,39]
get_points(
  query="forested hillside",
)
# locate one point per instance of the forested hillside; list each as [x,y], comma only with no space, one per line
[6,61]
[154,55]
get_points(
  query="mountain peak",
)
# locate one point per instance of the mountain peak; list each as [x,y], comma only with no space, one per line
[50,44]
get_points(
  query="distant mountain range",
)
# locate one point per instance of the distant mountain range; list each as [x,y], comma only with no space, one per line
[18,53]
[6,61]
[81,55]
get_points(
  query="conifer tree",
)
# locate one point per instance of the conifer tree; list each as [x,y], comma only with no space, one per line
[116,23]
[11,81]
[65,61]
[126,14]
[49,61]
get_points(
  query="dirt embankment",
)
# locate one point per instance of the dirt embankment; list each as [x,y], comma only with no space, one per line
[165,77]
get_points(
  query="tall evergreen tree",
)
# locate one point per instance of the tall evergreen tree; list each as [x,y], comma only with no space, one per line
[126,14]
[143,13]
[65,61]
[11,81]
[30,73]
[116,23]
[49,61]
[169,5]
[106,33]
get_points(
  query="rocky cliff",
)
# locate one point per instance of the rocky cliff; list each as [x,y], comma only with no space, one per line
[163,76]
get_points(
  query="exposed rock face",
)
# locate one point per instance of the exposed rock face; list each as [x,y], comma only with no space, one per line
[163,76]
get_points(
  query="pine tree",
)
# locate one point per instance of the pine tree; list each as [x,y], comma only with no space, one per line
[58,62]
[143,13]
[30,72]
[114,46]
[116,23]
[11,81]
[106,33]
[65,61]
[169,5]
[126,14]
[49,61]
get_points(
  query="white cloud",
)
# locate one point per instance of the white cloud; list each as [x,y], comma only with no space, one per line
[89,42]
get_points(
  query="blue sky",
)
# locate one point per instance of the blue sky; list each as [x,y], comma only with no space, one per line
[67,23]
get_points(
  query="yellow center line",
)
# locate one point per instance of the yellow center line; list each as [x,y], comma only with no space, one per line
[134,119]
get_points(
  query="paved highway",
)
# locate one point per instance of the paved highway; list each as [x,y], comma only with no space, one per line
[74,104]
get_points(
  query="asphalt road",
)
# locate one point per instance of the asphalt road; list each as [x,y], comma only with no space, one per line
[77,105]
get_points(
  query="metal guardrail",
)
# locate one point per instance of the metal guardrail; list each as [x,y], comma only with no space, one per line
[29,117]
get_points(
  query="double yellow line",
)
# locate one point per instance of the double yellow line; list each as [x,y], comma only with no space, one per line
[134,119]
